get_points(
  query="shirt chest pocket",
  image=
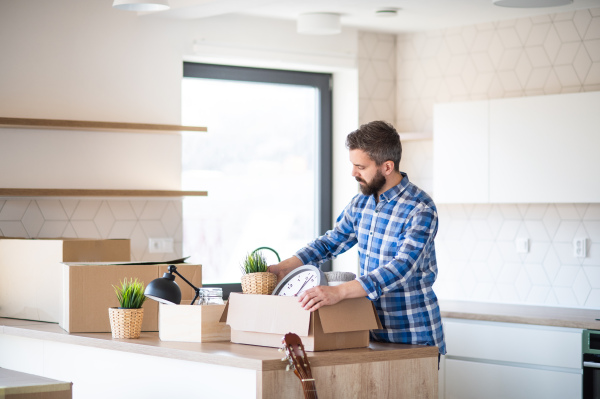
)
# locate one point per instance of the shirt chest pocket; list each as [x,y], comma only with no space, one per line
[391,240]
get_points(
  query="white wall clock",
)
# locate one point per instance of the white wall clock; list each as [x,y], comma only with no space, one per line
[299,280]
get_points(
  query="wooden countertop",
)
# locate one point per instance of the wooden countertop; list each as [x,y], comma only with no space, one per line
[221,353]
[524,314]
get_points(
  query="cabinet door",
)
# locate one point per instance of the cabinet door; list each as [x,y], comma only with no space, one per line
[460,152]
[545,148]
[474,380]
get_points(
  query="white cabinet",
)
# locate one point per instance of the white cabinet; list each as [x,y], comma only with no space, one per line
[545,149]
[518,150]
[460,152]
[505,360]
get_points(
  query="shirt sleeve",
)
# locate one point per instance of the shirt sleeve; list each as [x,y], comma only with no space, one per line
[333,243]
[413,244]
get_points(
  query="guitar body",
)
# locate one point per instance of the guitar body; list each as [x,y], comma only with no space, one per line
[296,355]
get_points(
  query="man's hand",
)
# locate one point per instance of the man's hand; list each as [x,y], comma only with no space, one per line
[312,299]
[322,295]
[284,267]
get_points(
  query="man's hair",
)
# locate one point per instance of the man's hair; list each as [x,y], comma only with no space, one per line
[379,140]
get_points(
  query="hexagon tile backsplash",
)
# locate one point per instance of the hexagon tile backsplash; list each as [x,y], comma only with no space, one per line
[478,258]
[137,220]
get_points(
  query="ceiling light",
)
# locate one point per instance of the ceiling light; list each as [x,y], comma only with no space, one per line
[531,3]
[386,12]
[141,5]
[319,23]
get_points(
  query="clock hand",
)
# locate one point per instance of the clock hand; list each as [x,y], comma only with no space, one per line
[302,286]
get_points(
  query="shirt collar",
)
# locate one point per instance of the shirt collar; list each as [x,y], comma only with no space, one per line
[396,190]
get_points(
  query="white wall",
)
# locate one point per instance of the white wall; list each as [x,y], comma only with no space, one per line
[69,59]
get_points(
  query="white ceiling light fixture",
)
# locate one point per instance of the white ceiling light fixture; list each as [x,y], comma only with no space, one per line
[531,3]
[319,23]
[141,5]
[386,12]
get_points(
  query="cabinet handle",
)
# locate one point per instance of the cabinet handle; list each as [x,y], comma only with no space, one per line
[591,364]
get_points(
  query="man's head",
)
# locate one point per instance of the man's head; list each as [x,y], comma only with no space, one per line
[379,140]
[375,153]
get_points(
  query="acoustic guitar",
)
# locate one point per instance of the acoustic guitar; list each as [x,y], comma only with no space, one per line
[298,361]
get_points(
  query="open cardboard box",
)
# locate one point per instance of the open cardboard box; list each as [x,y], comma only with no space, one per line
[31,286]
[264,319]
[192,323]
[89,292]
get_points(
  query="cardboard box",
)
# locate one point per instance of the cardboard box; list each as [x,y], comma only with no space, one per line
[89,292]
[264,319]
[17,385]
[31,284]
[192,323]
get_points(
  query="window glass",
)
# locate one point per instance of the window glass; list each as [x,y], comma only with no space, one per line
[258,162]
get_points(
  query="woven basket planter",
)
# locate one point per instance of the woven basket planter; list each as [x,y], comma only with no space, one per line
[259,283]
[126,323]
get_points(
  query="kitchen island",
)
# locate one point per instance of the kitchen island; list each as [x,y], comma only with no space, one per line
[101,367]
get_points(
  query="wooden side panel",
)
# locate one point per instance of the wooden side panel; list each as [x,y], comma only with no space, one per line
[408,378]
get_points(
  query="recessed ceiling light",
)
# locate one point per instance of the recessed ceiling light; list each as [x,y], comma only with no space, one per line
[531,3]
[387,12]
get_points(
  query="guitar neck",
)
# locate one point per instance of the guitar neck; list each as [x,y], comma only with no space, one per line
[310,389]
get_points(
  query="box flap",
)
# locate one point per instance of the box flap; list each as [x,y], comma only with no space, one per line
[355,314]
[267,314]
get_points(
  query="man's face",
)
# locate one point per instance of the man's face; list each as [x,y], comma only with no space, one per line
[366,172]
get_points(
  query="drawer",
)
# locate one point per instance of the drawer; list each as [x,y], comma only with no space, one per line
[515,343]
[471,380]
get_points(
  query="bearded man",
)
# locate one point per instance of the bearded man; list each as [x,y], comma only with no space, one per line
[394,224]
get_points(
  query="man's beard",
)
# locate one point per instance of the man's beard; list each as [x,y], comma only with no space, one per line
[372,187]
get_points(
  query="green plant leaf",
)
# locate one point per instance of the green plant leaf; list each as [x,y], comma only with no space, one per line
[254,263]
[130,294]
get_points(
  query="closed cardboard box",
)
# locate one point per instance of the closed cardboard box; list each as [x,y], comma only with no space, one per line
[264,320]
[89,292]
[192,323]
[31,286]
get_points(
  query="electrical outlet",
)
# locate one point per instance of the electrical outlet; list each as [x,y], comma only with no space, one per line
[522,245]
[580,247]
[160,245]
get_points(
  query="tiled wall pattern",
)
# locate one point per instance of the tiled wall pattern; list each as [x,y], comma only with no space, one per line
[376,77]
[551,54]
[135,219]
[557,53]
[478,258]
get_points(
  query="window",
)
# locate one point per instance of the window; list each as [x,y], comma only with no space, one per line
[265,162]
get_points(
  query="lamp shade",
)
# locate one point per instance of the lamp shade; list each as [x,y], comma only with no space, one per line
[319,23]
[164,290]
[141,5]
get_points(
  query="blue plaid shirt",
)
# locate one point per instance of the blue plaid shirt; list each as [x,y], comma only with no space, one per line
[397,260]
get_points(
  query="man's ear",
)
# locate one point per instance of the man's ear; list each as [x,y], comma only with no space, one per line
[388,168]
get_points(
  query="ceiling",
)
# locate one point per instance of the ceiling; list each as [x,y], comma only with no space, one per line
[412,16]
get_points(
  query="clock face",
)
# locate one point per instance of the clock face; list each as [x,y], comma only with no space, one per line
[299,280]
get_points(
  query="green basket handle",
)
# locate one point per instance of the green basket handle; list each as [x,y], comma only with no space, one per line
[270,249]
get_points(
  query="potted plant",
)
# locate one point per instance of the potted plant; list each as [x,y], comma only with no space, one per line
[126,320]
[255,277]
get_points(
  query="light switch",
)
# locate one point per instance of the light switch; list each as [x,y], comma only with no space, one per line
[522,245]
[580,247]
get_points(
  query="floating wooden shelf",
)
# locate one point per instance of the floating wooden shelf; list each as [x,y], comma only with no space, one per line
[67,192]
[91,125]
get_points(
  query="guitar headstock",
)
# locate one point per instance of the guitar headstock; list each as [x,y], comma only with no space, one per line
[296,356]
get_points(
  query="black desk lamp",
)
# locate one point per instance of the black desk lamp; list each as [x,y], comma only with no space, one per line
[165,290]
